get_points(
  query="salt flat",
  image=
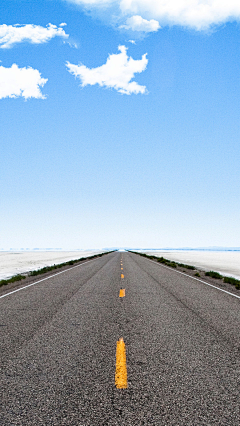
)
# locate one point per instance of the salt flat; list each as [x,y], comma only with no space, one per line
[224,262]
[12,263]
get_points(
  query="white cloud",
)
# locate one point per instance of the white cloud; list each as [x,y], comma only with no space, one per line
[197,14]
[12,34]
[117,73]
[25,82]
[137,23]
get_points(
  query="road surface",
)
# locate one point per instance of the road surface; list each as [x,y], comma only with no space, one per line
[59,339]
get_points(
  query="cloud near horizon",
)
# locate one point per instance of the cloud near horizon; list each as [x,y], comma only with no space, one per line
[194,14]
[13,34]
[137,23]
[116,74]
[25,82]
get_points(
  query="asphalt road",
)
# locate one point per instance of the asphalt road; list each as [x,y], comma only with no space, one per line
[58,348]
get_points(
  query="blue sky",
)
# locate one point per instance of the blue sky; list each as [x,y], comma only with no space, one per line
[90,160]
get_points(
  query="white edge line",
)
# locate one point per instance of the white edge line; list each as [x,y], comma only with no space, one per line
[36,282]
[197,279]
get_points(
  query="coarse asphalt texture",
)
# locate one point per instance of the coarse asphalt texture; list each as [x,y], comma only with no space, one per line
[58,348]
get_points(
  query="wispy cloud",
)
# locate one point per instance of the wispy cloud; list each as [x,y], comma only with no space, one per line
[197,14]
[13,34]
[117,73]
[137,23]
[25,82]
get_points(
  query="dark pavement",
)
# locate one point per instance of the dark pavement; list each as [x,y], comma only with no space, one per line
[58,349]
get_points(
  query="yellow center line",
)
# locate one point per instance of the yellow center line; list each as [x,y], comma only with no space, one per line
[122,292]
[121,365]
[122,276]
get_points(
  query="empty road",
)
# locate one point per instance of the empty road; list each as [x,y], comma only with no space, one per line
[59,340]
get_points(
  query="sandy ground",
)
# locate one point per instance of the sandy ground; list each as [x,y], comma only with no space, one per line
[224,262]
[12,263]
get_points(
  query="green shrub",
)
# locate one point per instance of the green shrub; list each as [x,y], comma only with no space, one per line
[232,281]
[166,262]
[172,264]
[182,265]
[197,274]
[17,277]
[161,260]
[213,274]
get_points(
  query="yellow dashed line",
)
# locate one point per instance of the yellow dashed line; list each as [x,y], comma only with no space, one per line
[122,276]
[122,292]
[121,366]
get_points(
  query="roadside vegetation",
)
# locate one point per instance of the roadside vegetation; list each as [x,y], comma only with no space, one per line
[173,264]
[213,274]
[166,262]
[20,277]
[17,277]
